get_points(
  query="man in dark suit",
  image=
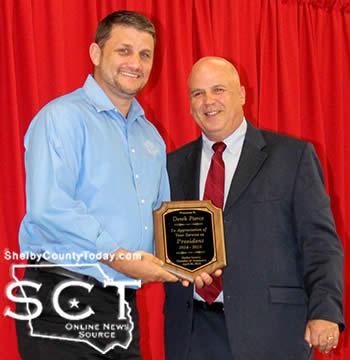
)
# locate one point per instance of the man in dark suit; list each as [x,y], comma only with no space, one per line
[281,292]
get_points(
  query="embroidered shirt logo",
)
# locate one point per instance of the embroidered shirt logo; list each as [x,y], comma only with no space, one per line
[152,148]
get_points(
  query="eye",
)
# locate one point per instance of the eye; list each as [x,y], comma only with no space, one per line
[123,51]
[218,90]
[196,94]
[146,55]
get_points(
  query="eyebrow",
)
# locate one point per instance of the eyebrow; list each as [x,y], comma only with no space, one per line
[195,90]
[217,85]
[129,46]
[126,45]
[211,87]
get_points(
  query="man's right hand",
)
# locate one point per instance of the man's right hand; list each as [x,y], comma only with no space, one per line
[139,265]
[204,279]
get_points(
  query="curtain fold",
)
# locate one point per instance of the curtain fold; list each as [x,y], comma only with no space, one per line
[342,5]
[293,57]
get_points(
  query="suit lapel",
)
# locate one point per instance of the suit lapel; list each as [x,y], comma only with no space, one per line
[191,171]
[251,159]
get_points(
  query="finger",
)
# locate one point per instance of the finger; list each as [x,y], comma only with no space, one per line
[307,336]
[332,343]
[168,277]
[321,348]
[198,281]
[314,337]
[218,272]
[185,283]
[328,341]
[161,275]
[336,342]
[328,348]
[322,342]
[207,279]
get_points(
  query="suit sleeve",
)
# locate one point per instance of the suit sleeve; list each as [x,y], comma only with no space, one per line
[318,241]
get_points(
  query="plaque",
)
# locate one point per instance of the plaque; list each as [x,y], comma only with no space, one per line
[189,237]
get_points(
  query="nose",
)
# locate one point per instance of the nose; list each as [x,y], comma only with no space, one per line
[208,99]
[134,61]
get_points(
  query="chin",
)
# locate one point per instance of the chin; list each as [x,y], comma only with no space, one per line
[211,130]
[131,91]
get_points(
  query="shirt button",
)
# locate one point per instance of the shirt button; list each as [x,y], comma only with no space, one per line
[132,150]
[142,201]
[146,227]
[136,176]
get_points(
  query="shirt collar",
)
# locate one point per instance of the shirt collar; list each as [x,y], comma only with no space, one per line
[102,102]
[135,110]
[233,142]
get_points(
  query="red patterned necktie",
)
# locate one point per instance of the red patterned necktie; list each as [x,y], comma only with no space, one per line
[214,191]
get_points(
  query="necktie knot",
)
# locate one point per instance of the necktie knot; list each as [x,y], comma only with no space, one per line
[219,147]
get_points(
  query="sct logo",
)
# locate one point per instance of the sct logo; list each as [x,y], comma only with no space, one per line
[83,319]
[55,296]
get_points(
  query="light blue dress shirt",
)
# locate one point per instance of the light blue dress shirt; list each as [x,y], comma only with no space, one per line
[93,178]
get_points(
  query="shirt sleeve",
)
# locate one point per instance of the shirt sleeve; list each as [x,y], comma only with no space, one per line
[56,221]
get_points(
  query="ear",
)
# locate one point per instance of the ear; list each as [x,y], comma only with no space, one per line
[242,96]
[95,54]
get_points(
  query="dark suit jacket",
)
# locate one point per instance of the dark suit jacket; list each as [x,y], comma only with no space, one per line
[285,261]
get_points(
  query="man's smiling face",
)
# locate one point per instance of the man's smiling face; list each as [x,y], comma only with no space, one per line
[216,98]
[124,63]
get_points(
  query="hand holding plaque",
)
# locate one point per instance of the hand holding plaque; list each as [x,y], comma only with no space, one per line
[189,237]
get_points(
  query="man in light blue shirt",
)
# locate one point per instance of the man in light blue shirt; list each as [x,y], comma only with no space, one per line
[96,170]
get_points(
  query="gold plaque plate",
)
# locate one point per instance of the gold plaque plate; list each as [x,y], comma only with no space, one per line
[189,237]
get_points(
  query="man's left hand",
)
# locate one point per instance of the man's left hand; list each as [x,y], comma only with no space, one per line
[322,334]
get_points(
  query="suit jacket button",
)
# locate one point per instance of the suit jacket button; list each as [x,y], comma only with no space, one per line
[188,304]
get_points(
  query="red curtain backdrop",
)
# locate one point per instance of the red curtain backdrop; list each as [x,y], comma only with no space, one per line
[293,57]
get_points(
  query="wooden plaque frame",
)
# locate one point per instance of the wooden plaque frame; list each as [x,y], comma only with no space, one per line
[183,241]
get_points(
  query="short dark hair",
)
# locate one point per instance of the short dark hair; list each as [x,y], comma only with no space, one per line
[123,18]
